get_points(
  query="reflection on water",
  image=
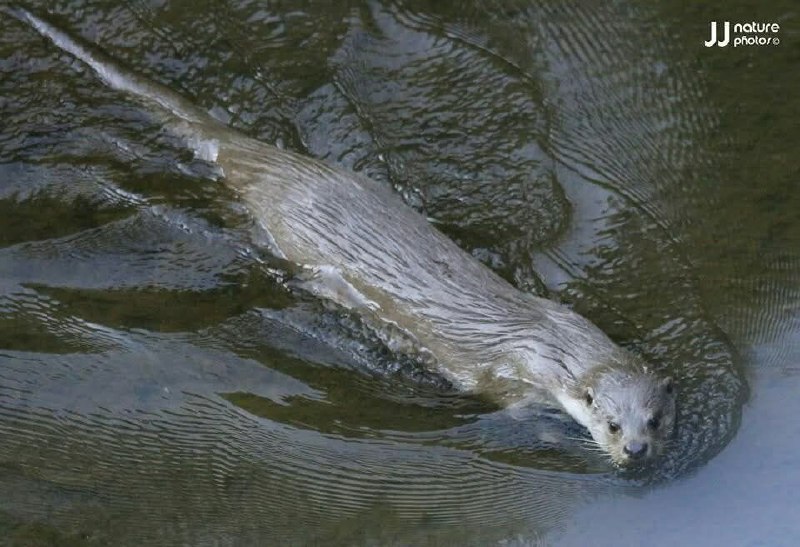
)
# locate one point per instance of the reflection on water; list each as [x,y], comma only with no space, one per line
[159,384]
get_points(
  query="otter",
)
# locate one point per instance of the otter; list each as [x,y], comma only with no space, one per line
[356,243]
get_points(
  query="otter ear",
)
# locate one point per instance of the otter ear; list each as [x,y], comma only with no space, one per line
[588,396]
[669,385]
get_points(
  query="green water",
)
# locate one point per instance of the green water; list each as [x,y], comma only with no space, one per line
[160,385]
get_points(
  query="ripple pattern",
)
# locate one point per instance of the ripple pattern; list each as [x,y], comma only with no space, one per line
[160,385]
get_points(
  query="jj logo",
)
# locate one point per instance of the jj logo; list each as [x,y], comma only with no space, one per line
[726,36]
[744,34]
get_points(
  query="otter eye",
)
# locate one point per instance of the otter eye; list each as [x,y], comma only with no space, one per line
[653,422]
[589,399]
[613,427]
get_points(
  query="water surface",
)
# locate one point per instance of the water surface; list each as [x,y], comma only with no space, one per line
[160,384]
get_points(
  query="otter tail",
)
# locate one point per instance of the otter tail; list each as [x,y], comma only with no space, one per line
[180,115]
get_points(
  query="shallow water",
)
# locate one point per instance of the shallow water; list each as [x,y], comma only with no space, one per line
[158,383]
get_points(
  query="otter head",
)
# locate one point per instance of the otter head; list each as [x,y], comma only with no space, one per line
[630,415]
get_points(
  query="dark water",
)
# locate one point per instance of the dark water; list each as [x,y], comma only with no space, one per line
[158,383]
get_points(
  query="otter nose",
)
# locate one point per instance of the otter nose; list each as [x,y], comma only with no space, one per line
[635,450]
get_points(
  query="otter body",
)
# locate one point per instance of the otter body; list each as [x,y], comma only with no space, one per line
[358,244]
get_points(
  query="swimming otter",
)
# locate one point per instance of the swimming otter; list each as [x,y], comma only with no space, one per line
[360,246]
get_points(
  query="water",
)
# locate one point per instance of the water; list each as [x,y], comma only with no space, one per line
[159,384]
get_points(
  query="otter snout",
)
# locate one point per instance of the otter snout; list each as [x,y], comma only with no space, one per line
[635,450]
